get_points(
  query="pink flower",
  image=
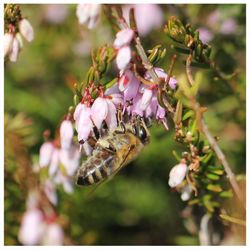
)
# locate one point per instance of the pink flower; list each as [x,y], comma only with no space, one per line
[65,181]
[69,158]
[16,46]
[66,133]
[148,17]
[31,229]
[26,30]
[46,151]
[186,192]
[83,121]
[53,235]
[228,26]
[177,174]
[56,13]
[205,35]
[129,85]
[8,42]
[123,57]
[146,98]
[104,109]
[161,74]
[54,162]
[88,14]
[123,37]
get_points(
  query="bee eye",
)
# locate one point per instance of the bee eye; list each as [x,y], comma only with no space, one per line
[142,134]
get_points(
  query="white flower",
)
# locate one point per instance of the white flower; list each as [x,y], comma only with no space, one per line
[8,41]
[186,192]
[177,175]
[123,57]
[123,37]
[53,235]
[31,229]
[45,155]
[50,191]
[88,14]
[66,134]
[26,30]
[16,46]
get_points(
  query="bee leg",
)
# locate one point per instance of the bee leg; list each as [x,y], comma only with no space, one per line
[120,120]
[107,146]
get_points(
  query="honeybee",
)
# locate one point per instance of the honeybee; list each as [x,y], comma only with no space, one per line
[113,151]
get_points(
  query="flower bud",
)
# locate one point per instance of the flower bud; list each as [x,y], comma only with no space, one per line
[14,50]
[177,174]
[45,155]
[176,30]
[123,57]
[123,37]
[54,235]
[26,30]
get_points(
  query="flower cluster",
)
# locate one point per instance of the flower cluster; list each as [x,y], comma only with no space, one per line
[61,160]
[38,226]
[88,14]
[15,28]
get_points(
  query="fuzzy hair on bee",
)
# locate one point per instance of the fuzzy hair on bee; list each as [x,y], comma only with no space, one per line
[113,151]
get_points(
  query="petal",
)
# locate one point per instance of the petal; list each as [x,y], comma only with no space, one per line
[135,109]
[99,111]
[8,41]
[78,110]
[26,30]
[50,191]
[54,235]
[113,90]
[14,50]
[84,119]
[132,89]
[54,164]
[123,37]
[45,154]
[117,99]
[66,134]
[177,175]
[146,98]
[83,132]
[111,117]
[123,57]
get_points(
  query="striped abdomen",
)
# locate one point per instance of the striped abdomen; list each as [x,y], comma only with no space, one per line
[96,168]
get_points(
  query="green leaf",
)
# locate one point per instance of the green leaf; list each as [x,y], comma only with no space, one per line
[213,177]
[214,188]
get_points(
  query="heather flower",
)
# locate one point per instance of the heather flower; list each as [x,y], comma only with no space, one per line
[16,46]
[55,13]
[129,85]
[8,42]
[66,134]
[147,16]
[45,155]
[186,192]
[205,35]
[123,57]
[53,235]
[26,30]
[228,26]
[104,109]
[83,121]
[177,174]
[123,38]
[88,14]
[31,229]
[65,181]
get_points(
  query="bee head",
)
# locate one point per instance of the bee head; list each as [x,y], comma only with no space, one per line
[141,130]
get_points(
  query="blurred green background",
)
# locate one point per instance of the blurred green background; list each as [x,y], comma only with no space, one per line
[137,206]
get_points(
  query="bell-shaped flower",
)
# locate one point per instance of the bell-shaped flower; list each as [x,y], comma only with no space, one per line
[88,14]
[8,42]
[104,109]
[123,57]
[31,229]
[70,159]
[186,192]
[54,162]
[66,133]
[16,46]
[26,30]
[83,122]
[177,174]
[53,235]
[123,38]
[45,155]
[146,98]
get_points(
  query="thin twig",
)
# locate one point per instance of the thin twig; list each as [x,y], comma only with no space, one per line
[213,143]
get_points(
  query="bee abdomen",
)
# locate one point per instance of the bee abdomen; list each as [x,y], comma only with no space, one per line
[94,171]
